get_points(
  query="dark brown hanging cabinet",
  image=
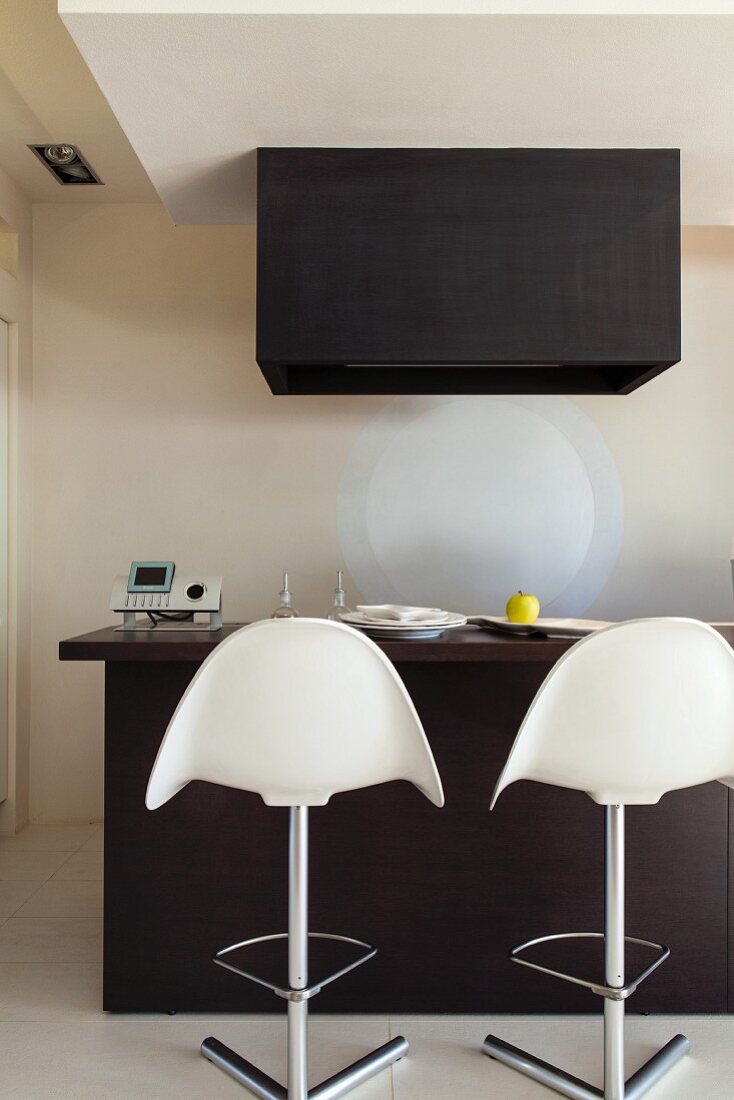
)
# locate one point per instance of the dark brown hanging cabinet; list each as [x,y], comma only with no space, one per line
[467,271]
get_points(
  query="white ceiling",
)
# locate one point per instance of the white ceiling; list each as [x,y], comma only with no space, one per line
[406,7]
[197,93]
[47,94]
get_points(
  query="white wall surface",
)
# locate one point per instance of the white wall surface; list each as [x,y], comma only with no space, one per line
[156,437]
[16,309]
[673,442]
[212,88]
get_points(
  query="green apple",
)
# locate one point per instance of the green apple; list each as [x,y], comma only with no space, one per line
[523,608]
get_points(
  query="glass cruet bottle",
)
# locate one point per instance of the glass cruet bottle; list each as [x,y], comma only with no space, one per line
[339,608]
[286,610]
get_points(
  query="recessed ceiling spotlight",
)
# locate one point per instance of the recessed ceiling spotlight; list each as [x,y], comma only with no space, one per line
[60,154]
[66,163]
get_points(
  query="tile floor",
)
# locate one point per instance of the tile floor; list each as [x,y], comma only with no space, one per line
[56,1044]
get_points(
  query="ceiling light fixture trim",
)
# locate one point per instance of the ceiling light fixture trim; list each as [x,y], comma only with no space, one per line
[66,163]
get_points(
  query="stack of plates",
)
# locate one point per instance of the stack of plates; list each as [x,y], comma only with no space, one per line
[396,621]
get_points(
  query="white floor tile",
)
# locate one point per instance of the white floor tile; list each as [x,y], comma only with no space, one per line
[60,898]
[51,939]
[26,866]
[97,1062]
[13,895]
[446,1058]
[39,992]
[48,838]
[82,867]
[161,1061]
[95,842]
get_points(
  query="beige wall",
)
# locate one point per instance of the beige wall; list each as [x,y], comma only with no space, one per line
[16,308]
[155,436]
[673,442]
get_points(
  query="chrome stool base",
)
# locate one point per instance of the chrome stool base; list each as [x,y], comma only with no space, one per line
[614,989]
[568,1085]
[341,1083]
[298,991]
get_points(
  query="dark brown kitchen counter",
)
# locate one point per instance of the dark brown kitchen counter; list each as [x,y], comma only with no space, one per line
[444,894]
[468,644]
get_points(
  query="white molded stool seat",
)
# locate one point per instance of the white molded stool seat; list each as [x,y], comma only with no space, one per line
[627,714]
[295,710]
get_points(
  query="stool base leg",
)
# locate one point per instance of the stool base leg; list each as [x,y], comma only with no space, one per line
[649,1074]
[539,1070]
[573,1087]
[361,1070]
[245,1073]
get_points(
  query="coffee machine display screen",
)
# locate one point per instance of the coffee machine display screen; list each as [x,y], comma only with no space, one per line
[150,576]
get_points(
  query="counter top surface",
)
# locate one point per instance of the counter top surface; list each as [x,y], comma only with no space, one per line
[470,644]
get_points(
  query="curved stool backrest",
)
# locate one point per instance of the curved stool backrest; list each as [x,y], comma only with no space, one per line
[294,710]
[630,712]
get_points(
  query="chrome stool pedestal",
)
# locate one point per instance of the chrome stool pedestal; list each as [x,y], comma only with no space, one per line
[615,992]
[261,715]
[297,993]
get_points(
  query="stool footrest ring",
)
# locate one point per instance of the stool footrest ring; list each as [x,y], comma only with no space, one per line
[612,993]
[286,992]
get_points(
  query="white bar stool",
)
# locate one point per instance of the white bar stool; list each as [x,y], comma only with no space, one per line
[629,713]
[266,713]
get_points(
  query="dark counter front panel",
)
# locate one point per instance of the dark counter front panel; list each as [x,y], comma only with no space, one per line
[467,644]
[443,893]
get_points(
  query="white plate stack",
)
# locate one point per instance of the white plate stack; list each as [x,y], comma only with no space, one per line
[391,620]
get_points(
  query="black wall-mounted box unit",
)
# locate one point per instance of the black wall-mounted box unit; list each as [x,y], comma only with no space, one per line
[467,270]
